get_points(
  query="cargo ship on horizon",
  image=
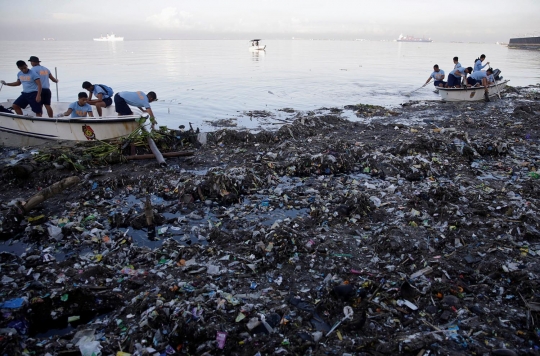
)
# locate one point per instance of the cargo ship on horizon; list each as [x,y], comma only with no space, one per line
[402,38]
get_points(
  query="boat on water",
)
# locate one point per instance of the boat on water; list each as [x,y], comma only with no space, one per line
[402,38]
[255,46]
[471,94]
[109,38]
[532,42]
[107,127]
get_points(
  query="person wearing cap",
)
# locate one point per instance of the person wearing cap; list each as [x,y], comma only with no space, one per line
[31,93]
[102,100]
[437,76]
[44,75]
[139,99]
[454,78]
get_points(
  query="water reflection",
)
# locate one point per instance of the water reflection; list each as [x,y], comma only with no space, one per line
[257,55]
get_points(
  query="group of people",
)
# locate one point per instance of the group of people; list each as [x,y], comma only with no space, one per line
[460,75]
[36,93]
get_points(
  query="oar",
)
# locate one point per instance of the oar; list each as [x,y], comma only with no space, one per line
[56,76]
[409,94]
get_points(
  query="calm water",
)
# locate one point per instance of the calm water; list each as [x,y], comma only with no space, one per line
[208,80]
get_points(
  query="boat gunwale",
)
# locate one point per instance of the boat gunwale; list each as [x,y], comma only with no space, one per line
[474,88]
[73,120]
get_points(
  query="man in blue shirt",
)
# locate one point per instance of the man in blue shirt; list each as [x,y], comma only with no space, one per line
[482,77]
[437,76]
[44,75]
[478,63]
[454,78]
[139,99]
[31,93]
[456,63]
[102,99]
[79,108]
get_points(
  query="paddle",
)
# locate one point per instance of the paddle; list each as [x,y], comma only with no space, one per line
[56,76]
[409,94]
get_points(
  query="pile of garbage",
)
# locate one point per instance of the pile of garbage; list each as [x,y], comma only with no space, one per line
[416,232]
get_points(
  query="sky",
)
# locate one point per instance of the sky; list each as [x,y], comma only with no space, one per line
[443,21]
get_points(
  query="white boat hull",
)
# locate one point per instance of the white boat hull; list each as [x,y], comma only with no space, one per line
[109,40]
[257,48]
[66,128]
[470,94]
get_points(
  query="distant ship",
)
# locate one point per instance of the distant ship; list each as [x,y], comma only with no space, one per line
[109,38]
[532,42]
[412,39]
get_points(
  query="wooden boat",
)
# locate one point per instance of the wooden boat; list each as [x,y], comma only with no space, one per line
[471,94]
[66,128]
[255,45]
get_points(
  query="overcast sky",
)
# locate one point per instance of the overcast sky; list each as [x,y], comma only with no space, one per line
[453,20]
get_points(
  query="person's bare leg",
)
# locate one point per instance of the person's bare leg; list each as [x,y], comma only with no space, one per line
[98,108]
[17,109]
[39,115]
[49,110]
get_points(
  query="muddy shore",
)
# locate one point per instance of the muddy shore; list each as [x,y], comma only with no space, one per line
[420,222]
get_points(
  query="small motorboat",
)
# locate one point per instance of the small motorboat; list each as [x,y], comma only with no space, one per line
[107,127]
[471,93]
[255,46]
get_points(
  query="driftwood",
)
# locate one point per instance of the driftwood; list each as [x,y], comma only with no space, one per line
[49,192]
[155,151]
[166,154]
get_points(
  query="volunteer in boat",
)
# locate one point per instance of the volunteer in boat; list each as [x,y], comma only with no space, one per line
[139,99]
[454,78]
[484,78]
[79,108]
[478,63]
[437,76]
[31,93]
[44,76]
[456,62]
[103,94]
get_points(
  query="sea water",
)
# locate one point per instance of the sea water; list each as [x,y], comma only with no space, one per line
[202,81]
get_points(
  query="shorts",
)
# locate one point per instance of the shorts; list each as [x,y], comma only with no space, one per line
[122,108]
[46,96]
[453,80]
[472,81]
[108,102]
[26,99]
[439,82]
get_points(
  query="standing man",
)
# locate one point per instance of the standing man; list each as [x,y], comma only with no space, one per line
[44,75]
[102,93]
[437,76]
[456,63]
[123,99]
[31,93]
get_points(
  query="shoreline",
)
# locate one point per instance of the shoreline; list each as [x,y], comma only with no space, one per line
[429,231]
